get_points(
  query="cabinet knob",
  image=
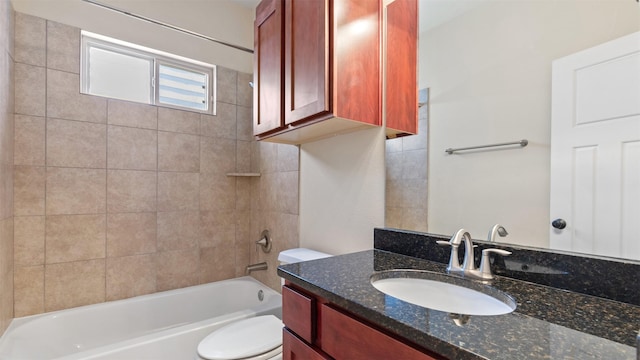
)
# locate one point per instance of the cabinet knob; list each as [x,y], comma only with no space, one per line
[559,224]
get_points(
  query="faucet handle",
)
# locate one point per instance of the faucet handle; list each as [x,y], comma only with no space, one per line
[485,266]
[443,243]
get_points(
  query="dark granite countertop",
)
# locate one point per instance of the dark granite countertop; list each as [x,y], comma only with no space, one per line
[548,323]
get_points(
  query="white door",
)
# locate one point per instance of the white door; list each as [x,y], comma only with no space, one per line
[595,150]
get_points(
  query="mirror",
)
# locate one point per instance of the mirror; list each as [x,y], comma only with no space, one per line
[487,66]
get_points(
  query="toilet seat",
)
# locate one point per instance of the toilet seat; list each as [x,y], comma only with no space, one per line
[256,338]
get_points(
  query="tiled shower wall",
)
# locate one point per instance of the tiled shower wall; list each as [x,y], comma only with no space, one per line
[6,162]
[116,199]
[406,175]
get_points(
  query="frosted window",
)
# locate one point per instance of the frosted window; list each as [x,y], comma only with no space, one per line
[120,76]
[180,87]
[121,70]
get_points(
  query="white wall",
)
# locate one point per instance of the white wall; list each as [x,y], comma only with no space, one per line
[220,19]
[342,191]
[489,73]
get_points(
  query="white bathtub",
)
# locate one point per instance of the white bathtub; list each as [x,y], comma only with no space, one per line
[167,325]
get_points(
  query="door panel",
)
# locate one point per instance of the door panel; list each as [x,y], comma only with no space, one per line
[267,104]
[306,59]
[595,165]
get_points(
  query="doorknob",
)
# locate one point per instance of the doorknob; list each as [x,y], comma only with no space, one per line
[559,224]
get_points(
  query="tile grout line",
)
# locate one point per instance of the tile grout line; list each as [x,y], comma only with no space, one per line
[46,123]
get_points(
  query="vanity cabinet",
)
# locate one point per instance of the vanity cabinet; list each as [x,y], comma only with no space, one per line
[318,68]
[317,329]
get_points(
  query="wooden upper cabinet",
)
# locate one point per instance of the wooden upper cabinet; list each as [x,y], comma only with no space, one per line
[401,96]
[306,60]
[267,67]
[331,70]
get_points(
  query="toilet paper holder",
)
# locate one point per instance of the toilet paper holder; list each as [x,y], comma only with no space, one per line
[265,241]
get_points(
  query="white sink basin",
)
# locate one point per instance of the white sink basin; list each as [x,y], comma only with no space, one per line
[443,292]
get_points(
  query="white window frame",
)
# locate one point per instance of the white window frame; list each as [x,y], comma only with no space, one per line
[90,40]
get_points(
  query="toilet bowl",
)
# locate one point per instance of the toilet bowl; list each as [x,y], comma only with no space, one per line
[256,338]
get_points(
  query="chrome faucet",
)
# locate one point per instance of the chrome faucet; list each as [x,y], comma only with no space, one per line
[497,229]
[468,268]
[469,260]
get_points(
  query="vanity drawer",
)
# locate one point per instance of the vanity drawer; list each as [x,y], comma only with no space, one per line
[296,349]
[298,313]
[344,337]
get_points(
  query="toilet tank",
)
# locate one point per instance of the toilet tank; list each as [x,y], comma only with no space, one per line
[297,255]
[300,254]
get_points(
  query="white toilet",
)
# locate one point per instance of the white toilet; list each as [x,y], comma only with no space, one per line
[256,338]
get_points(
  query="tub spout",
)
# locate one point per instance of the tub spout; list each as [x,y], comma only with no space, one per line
[254,267]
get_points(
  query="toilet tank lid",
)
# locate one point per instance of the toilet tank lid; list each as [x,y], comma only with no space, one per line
[300,254]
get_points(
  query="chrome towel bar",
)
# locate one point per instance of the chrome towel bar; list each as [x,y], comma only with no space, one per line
[522,143]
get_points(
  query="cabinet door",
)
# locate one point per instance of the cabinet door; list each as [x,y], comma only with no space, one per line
[306,60]
[344,337]
[267,67]
[296,349]
[401,67]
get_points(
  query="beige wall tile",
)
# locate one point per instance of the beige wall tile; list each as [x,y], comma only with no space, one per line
[76,144]
[130,276]
[245,91]
[394,193]
[6,268]
[217,192]
[287,192]
[28,190]
[64,100]
[286,231]
[29,290]
[131,234]
[415,219]
[74,284]
[6,191]
[177,269]
[178,152]
[63,47]
[244,241]
[222,125]
[243,193]
[178,191]
[218,228]
[393,166]
[269,189]
[244,120]
[30,89]
[267,156]
[131,148]
[178,230]
[131,191]
[243,156]
[226,83]
[414,193]
[393,217]
[217,155]
[29,140]
[30,39]
[75,237]
[217,263]
[132,114]
[288,157]
[75,191]
[178,121]
[29,240]
[414,164]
